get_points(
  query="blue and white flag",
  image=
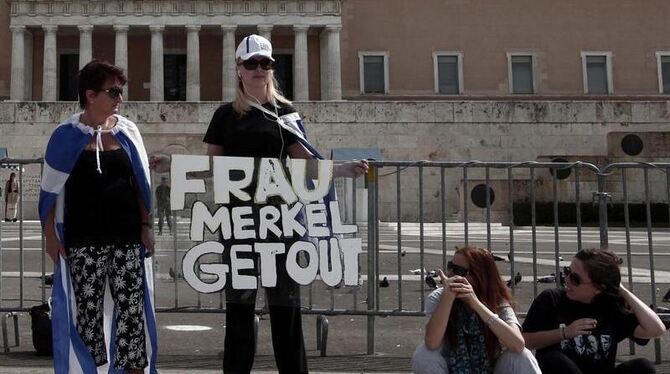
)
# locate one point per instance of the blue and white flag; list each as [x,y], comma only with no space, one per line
[67,142]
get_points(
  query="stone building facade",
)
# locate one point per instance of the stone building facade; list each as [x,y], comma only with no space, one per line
[521,80]
[182,50]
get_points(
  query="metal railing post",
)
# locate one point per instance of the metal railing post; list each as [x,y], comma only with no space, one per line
[371,249]
[602,210]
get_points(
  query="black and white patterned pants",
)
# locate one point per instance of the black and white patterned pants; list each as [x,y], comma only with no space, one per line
[90,267]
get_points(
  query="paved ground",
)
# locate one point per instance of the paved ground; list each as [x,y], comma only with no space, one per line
[192,342]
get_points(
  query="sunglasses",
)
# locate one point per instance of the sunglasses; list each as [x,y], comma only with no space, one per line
[457,269]
[574,277]
[265,64]
[113,92]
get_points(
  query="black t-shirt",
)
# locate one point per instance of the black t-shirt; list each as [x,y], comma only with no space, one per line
[593,353]
[255,134]
[101,208]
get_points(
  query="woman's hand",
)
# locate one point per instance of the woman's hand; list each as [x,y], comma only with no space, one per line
[446,283]
[463,290]
[54,246]
[582,326]
[352,169]
[160,163]
[148,240]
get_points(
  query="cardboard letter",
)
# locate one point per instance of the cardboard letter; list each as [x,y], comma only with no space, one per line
[188,267]
[330,263]
[298,167]
[180,186]
[240,222]
[273,182]
[268,217]
[268,253]
[224,186]
[201,217]
[317,222]
[306,275]
[242,282]
[351,248]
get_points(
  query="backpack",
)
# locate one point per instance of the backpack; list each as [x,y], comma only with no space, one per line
[40,322]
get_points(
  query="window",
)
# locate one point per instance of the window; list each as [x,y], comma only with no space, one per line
[520,73]
[68,70]
[283,72]
[663,60]
[175,77]
[448,72]
[597,71]
[374,74]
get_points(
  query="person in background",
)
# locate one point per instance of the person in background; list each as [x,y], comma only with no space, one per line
[472,327]
[163,205]
[11,198]
[576,330]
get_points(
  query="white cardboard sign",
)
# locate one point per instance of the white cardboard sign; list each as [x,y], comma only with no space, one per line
[333,258]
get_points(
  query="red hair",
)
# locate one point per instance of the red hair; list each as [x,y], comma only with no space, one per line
[489,288]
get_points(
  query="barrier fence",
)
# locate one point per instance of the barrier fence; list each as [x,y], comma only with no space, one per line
[532,215]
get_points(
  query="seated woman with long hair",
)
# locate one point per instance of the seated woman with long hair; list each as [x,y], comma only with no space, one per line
[577,329]
[472,327]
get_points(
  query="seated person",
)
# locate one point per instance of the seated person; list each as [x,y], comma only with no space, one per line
[471,325]
[577,329]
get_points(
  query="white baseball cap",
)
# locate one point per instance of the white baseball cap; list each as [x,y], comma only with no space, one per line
[252,46]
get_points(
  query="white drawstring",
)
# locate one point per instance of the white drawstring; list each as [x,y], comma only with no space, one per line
[98,145]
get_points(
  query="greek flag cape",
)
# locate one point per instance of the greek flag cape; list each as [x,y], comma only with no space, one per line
[65,145]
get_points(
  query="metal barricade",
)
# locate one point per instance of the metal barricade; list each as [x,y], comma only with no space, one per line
[416,212]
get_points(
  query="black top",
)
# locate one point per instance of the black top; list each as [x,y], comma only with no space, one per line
[594,353]
[255,134]
[102,208]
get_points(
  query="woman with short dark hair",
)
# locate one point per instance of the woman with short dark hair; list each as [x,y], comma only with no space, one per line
[577,329]
[94,207]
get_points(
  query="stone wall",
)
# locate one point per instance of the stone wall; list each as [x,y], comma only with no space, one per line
[589,131]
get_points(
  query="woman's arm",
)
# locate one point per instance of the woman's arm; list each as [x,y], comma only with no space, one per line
[147,233]
[509,334]
[650,325]
[214,150]
[54,246]
[350,169]
[437,323]
[545,338]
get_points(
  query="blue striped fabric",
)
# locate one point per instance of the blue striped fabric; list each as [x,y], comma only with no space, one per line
[65,145]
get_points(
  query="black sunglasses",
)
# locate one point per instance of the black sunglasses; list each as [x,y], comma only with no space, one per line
[457,269]
[265,64]
[113,92]
[574,277]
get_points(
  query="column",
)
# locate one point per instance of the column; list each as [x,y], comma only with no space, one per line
[157,77]
[229,72]
[192,63]
[49,66]
[334,69]
[265,31]
[323,64]
[300,71]
[121,52]
[17,90]
[85,44]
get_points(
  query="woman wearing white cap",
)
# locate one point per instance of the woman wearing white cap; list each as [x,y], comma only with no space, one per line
[260,122]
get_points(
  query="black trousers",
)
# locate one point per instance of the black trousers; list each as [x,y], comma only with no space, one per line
[285,319]
[556,362]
